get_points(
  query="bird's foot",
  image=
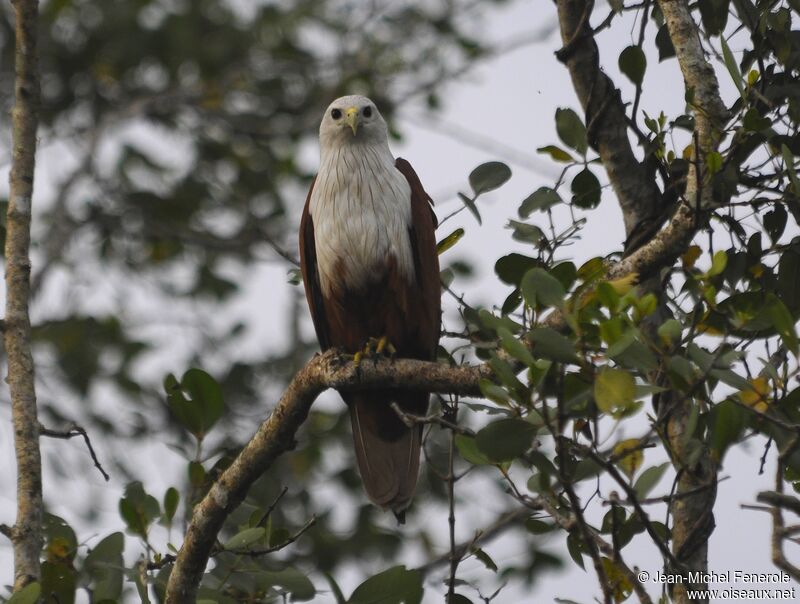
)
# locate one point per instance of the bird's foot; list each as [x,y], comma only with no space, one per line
[374,349]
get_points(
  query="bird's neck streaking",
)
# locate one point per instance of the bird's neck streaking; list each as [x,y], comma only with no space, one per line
[361,211]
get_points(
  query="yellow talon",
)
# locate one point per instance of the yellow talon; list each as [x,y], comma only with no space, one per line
[357,358]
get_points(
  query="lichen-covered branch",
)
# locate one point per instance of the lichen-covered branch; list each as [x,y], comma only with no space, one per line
[276,435]
[606,123]
[703,88]
[693,517]
[27,530]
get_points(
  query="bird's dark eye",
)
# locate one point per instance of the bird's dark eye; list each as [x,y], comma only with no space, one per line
[368,111]
[336,114]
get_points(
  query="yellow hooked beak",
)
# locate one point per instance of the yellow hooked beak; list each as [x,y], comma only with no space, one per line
[351,118]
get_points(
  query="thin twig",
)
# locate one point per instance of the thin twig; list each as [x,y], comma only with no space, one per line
[410,420]
[499,526]
[71,432]
[270,509]
[451,518]
[254,553]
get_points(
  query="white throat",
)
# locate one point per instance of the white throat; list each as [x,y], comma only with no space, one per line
[361,209]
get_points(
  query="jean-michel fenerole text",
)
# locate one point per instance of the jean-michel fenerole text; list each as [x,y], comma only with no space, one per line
[728,576]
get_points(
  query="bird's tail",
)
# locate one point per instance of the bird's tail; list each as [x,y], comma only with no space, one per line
[387,450]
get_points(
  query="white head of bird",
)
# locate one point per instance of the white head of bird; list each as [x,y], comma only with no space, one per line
[353,120]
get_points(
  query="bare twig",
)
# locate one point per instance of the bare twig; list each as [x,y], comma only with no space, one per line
[270,509]
[7,531]
[254,553]
[451,517]
[27,533]
[499,526]
[71,432]
[410,420]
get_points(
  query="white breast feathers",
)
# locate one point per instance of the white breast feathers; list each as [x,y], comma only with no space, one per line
[361,209]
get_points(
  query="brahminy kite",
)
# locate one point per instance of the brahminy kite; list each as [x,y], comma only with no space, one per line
[371,273]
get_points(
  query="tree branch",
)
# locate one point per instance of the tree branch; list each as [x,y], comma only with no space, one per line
[701,81]
[276,435]
[27,531]
[606,122]
[71,432]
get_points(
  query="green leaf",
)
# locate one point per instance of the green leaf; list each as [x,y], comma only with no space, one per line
[713,162]
[27,595]
[526,233]
[775,222]
[289,580]
[138,509]
[718,264]
[514,347]
[335,589]
[540,288]
[614,390]
[171,500]
[727,422]
[493,392]
[449,241]
[203,408]
[539,527]
[754,121]
[396,585]
[631,352]
[664,44]
[488,177]
[541,199]
[105,566]
[574,547]
[468,449]
[550,344]
[670,331]
[788,159]
[585,189]
[60,581]
[571,130]
[246,538]
[649,479]
[557,153]
[714,14]
[505,439]
[470,205]
[197,473]
[485,558]
[633,63]
[783,322]
[512,267]
[733,67]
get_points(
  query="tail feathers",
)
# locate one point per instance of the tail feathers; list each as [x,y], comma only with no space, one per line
[386,449]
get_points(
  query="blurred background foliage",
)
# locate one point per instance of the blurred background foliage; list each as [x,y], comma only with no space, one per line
[172,140]
[176,147]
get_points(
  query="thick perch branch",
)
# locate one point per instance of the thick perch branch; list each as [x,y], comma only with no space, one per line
[276,436]
[693,515]
[27,531]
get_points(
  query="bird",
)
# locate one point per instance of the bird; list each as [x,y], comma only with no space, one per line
[370,267]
